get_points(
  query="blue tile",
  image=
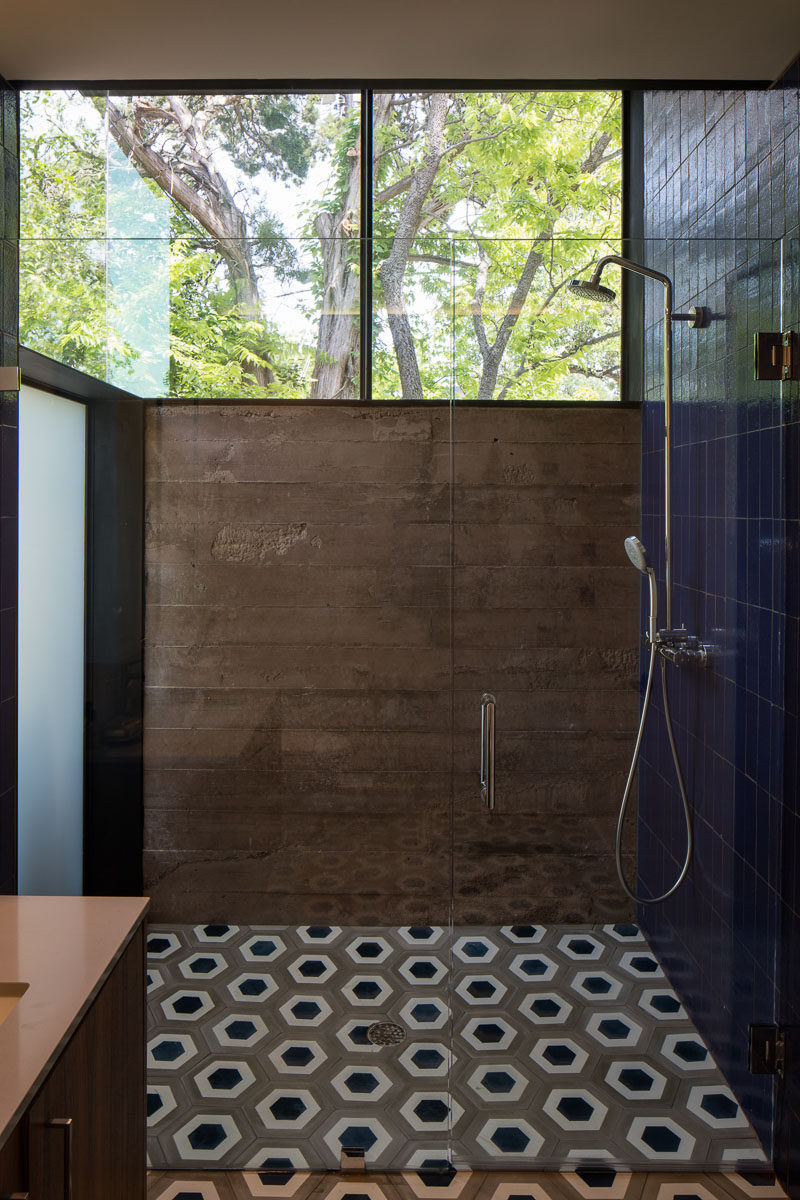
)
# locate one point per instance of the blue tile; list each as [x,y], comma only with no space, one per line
[736,562]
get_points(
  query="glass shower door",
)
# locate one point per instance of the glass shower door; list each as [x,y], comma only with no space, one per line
[576,1015]
[545,628]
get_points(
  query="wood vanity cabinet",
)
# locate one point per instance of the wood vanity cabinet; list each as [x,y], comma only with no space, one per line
[83,1134]
[12,1165]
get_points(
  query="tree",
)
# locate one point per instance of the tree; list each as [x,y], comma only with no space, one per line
[517,184]
[474,196]
[62,222]
[170,143]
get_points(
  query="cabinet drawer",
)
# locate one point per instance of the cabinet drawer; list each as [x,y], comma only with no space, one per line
[86,1126]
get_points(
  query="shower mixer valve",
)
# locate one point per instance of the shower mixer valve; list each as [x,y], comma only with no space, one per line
[680,647]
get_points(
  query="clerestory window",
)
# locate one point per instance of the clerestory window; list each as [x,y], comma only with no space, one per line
[329,246]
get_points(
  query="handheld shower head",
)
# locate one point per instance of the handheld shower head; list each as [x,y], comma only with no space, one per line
[637,554]
[588,289]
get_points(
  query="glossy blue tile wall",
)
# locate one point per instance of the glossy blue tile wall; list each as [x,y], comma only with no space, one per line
[721,203]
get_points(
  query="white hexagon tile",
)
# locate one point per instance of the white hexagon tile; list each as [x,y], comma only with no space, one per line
[525,1048]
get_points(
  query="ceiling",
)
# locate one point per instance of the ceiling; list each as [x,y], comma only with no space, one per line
[581,40]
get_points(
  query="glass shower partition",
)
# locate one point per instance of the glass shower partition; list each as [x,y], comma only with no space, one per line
[298,733]
[588,1029]
[546,480]
[480,552]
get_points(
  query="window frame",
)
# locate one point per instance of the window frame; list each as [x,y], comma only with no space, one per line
[632,198]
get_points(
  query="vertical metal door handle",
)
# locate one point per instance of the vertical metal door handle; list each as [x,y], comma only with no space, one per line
[65,1124]
[488,707]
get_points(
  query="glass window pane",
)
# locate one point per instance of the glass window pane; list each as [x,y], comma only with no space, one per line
[209,246]
[229,227]
[412,320]
[137,273]
[510,189]
[62,228]
[62,310]
[551,345]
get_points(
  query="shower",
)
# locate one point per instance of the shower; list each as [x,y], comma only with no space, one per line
[638,556]
[673,645]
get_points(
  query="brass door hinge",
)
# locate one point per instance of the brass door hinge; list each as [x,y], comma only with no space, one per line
[776,356]
[766,1050]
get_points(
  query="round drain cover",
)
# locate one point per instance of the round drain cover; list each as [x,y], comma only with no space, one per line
[386,1033]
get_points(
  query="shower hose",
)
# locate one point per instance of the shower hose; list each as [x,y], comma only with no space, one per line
[632,774]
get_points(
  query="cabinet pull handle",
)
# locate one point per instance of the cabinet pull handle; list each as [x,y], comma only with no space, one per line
[65,1124]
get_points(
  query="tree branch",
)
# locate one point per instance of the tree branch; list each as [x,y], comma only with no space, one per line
[476,305]
[402,185]
[441,261]
[495,352]
[492,355]
[525,367]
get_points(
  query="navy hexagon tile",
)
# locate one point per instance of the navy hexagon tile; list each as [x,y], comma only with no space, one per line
[524,1047]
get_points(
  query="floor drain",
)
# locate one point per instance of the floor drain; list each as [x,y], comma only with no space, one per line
[386,1033]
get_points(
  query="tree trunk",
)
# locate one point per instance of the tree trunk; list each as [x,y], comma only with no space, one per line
[207,199]
[336,364]
[337,360]
[492,355]
[393,269]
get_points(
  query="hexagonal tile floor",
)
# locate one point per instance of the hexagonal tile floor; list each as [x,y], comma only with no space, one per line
[581,1184]
[568,1047]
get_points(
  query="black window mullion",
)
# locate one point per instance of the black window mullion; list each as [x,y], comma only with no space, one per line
[632,313]
[365,228]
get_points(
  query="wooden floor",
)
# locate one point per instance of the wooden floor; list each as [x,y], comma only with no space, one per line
[595,1184]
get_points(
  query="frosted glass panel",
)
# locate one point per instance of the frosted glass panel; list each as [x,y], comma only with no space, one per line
[52,499]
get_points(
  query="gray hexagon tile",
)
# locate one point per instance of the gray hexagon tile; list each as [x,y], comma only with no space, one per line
[526,1048]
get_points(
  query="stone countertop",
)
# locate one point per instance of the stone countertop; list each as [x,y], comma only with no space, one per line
[64,948]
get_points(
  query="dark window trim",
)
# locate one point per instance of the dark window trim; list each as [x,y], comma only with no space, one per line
[40,371]
[366,288]
[113,809]
[218,402]
[632,294]
[9,507]
[152,87]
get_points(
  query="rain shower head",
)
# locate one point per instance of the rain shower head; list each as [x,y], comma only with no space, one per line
[637,554]
[588,289]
